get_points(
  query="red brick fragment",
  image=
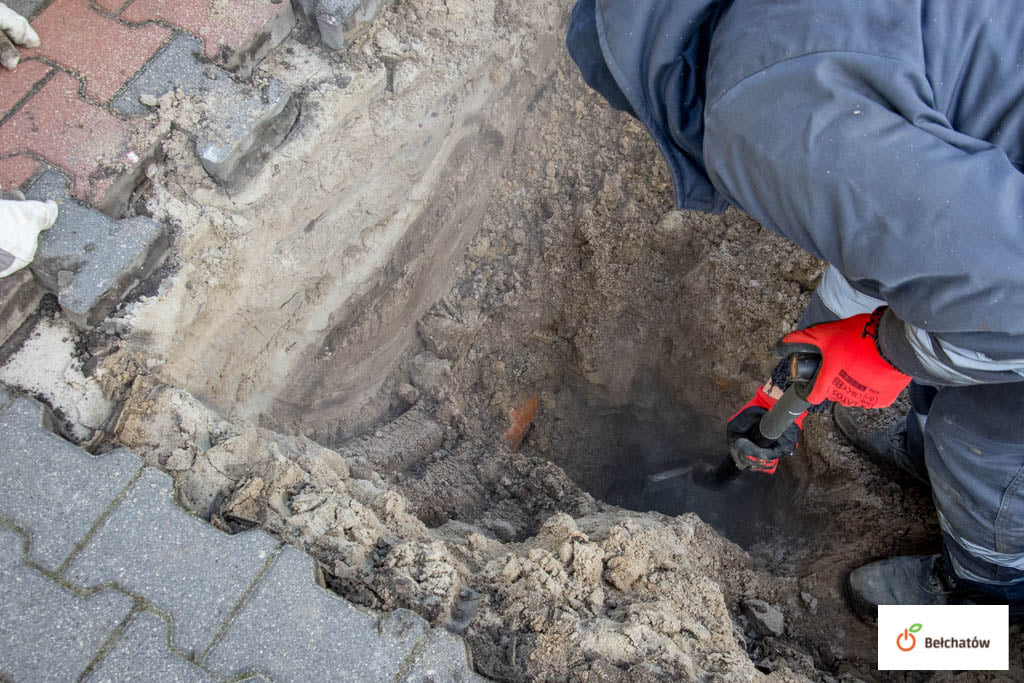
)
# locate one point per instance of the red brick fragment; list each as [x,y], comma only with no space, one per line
[69,132]
[218,22]
[16,170]
[102,50]
[519,423]
[15,84]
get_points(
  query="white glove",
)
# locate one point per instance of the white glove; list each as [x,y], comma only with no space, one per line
[20,225]
[14,28]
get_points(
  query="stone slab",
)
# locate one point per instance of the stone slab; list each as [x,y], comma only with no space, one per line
[293,630]
[89,260]
[142,654]
[51,488]
[182,565]
[50,184]
[48,632]
[443,658]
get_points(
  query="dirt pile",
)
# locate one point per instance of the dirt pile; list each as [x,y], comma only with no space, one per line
[588,590]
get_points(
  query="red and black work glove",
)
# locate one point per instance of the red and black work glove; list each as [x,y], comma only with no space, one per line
[853,371]
[747,446]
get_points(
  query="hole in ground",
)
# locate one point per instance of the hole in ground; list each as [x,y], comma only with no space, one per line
[639,327]
[611,449]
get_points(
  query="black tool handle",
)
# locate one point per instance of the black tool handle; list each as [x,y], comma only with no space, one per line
[782,414]
[803,369]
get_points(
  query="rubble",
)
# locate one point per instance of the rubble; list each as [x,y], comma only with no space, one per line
[767,620]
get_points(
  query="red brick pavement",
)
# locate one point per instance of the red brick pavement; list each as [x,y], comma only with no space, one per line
[111,6]
[56,124]
[220,23]
[16,170]
[66,131]
[15,84]
[103,51]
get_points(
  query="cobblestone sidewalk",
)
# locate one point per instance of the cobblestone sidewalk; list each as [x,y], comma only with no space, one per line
[105,578]
[79,124]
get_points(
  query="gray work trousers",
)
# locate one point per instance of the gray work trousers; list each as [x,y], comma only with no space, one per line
[968,442]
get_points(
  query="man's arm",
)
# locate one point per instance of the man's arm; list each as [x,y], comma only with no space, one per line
[841,153]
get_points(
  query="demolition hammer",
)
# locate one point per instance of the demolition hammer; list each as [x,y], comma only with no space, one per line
[803,370]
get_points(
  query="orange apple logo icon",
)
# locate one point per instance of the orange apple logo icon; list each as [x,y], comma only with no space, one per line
[906,640]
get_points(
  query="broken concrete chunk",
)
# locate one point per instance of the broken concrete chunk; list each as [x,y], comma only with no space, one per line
[430,373]
[404,76]
[503,530]
[401,443]
[179,460]
[408,393]
[767,620]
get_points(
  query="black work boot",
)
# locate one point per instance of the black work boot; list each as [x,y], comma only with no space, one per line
[886,446]
[904,580]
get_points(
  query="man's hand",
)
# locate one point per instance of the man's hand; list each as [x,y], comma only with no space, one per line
[746,445]
[14,30]
[852,372]
[20,225]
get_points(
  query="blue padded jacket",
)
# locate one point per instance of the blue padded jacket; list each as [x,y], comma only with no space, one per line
[886,138]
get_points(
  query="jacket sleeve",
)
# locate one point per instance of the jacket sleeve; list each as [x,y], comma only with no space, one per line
[843,154]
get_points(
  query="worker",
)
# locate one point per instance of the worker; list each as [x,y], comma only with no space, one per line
[886,138]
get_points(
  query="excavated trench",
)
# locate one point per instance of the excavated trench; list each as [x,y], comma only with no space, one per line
[457,225]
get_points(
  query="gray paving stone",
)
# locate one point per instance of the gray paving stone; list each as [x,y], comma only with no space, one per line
[175,67]
[293,630]
[47,632]
[5,397]
[142,654]
[50,184]
[89,260]
[179,563]
[233,146]
[339,21]
[29,9]
[442,659]
[50,487]
[242,122]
